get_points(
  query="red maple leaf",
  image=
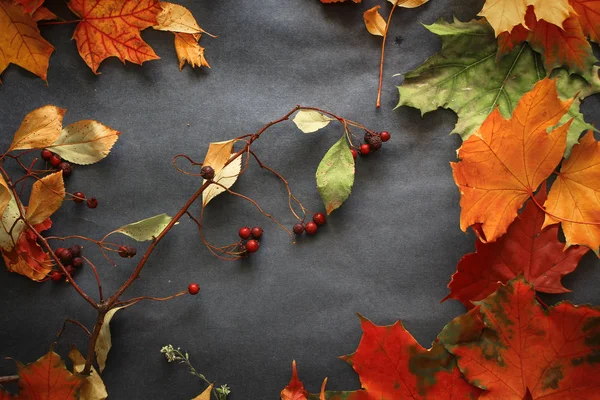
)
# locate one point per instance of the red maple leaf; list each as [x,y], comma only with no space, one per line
[295,389]
[27,257]
[525,249]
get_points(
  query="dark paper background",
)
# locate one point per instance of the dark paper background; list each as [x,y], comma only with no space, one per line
[388,253]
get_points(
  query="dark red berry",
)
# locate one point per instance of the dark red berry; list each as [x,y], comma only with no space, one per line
[298,228]
[70,269]
[368,136]
[354,153]
[252,246]
[375,143]
[127,251]
[75,250]
[385,136]
[46,154]
[92,202]
[65,256]
[59,251]
[257,232]
[193,288]
[55,276]
[365,149]
[55,160]
[245,233]
[207,172]
[77,262]
[66,168]
[78,197]
[319,218]
[311,228]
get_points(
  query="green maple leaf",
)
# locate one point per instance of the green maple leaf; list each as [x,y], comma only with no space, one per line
[466,77]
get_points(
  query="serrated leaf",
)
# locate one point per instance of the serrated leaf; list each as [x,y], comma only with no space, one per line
[46,197]
[146,229]
[188,50]
[104,342]
[226,177]
[335,175]
[40,128]
[374,22]
[218,153]
[176,18]
[93,387]
[85,142]
[309,121]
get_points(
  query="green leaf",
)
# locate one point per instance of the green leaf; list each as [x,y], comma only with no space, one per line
[146,229]
[465,76]
[335,175]
[309,121]
[85,142]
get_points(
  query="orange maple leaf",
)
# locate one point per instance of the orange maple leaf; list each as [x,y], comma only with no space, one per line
[111,28]
[28,258]
[575,195]
[505,161]
[526,352]
[588,12]
[21,42]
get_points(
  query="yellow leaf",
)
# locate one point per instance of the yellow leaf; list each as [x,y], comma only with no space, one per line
[409,3]
[40,128]
[218,153]
[46,197]
[309,121]
[5,195]
[226,177]
[104,342]
[374,21]
[85,142]
[11,226]
[188,50]
[176,18]
[93,388]
[204,395]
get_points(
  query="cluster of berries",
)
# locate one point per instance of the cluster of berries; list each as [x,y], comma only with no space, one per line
[251,245]
[373,142]
[310,227]
[70,258]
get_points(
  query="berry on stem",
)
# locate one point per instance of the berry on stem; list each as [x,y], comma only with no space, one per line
[78,197]
[127,251]
[55,160]
[207,172]
[75,250]
[365,149]
[193,288]
[252,246]
[77,262]
[65,256]
[298,228]
[257,232]
[354,153]
[375,143]
[385,136]
[55,276]
[245,233]
[311,228]
[92,202]
[70,269]
[66,168]
[46,154]
[319,218]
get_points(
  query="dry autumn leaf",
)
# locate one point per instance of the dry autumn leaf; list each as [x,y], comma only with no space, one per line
[225,178]
[176,18]
[294,389]
[40,128]
[30,6]
[43,14]
[188,50]
[46,197]
[374,22]
[85,142]
[104,342]
[505,161]
[92,387]
[588,13]
[28,258]
[575,195]
[206,394]
[526,249]
[21,42]
[111,28]
[526,352]
[338,1]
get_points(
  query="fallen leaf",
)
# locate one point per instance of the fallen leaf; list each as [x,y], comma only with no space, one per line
[146,229]
[40,128]
[5,195]
[338,1]
[528,352]
[104,342]
[188,50]
[575,195]
[374,22]
[408,3]
[506,160]
[526,249]
[27,258]
[111,28]
[309,121]
[206,394]
[46,379]
[588,12]
[335,175]
[176,18]
[92,388]
[21,42]
[218,154]
[295,389]
[12,225]
[85,142]
[46,197]
[43,14]
[226,177]
[30,6]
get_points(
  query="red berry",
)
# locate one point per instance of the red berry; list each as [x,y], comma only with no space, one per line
[298,228]
[257,232]
[245,233]
[365,149]
[252,246]
[46,154]
[78,197]
[55,160]
[66,168]
[77,262]
[75,250]
[58,251]
[92,202]
[385,136]
[354,153]
[55,276]
[70,269]
[193,288]
[311,228]
[65,256]
[319,218]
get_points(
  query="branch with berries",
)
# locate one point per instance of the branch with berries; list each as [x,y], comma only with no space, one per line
[28,252]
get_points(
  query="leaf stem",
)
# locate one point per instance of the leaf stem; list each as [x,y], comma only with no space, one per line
[387,27]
